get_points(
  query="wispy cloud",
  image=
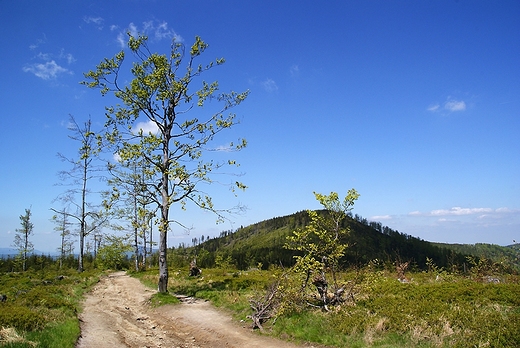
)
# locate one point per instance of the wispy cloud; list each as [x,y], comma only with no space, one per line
[38,42]
[224,148]
[159,30]
[433,107]
[381,217]
[156,30]
[270,85]
[459,211]
[132,29]
[98,21]
[450,105]
[294,70]
[67,56]
[121,39]
[49,66]
[455,105]
[46,71]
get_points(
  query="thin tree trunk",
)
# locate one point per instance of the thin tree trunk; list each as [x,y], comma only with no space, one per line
[163,248]
[83,216]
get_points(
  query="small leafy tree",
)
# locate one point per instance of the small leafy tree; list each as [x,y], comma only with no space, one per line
[174,146]
[21,239]
[321,244]
[112,255]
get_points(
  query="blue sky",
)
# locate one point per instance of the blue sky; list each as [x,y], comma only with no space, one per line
[415,104]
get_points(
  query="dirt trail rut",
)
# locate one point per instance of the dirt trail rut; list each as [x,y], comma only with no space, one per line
[116,314]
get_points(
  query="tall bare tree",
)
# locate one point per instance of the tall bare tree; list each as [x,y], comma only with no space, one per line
[84,169]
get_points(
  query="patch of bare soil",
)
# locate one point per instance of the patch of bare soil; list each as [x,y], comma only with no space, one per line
[116,313]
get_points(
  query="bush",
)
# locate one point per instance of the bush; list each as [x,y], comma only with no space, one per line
[48,297]
[21,318]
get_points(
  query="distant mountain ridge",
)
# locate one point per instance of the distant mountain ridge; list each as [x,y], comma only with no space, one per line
[11,252]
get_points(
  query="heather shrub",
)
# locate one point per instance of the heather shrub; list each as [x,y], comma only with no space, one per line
[21,317]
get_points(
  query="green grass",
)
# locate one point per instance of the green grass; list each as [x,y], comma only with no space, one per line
[42,306]
[159,299]
[458,312]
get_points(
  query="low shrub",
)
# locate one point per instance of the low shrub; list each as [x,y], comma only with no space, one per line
[51,297]
[21,317]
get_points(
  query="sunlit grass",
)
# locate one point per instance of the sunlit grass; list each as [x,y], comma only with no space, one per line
[427,312]
[42,307]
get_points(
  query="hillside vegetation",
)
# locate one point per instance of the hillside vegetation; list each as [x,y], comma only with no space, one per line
[262,244]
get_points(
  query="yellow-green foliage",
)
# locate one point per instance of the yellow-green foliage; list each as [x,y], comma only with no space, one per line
[44,304]
[21,317]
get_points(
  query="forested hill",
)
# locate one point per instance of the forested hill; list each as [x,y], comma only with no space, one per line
[501,254]
[263,243]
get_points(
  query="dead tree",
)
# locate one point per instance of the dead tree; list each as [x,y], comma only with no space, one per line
[401,267]
[194,270]
[265,308]
[321,284]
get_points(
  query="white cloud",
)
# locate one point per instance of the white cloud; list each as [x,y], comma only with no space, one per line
[459,211]
[132,29]
[153,29]
[451,105]
[47,70]
[98,21]
[269,85]
[224,148]
[381,217]
[117,157]
[294,70]
[161,31]
[38,42]
[50,68]
[433,107]
[43,56]
[455,105]
[67,56]
[121,39]
[147,127]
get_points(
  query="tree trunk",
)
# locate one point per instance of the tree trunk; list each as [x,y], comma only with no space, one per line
[163,235]
[83,227]
[81,246]
[163,264]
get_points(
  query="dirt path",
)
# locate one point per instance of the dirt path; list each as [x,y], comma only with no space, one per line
[116,314]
